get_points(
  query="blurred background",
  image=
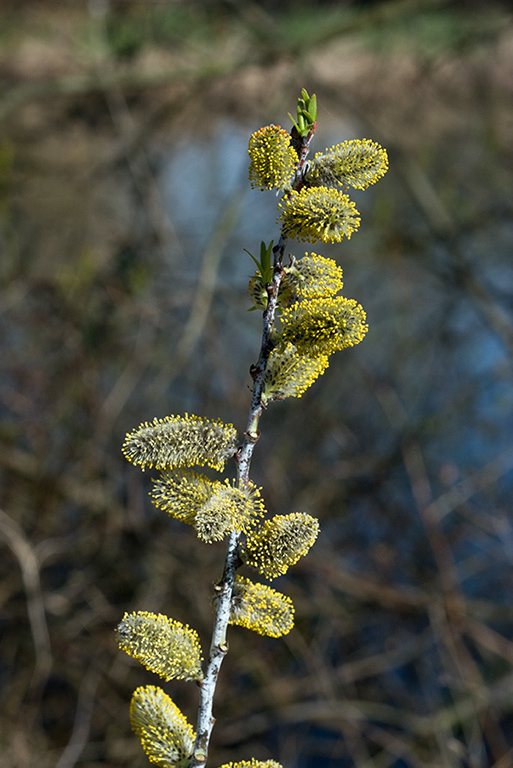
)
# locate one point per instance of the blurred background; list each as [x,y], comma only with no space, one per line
[124,212]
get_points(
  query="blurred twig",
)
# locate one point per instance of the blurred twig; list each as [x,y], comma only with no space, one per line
[29,566]
[82,724]
[76,85]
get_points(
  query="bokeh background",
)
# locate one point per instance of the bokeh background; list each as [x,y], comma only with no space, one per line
[124,212]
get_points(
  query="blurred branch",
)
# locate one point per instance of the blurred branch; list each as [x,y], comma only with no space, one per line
[29,566]
[422,726]
[448,618]
[489,639]
[201,303]
[445,229]
[382,13]
[487,475]
[266,27]
[82,724]
[76,85]
[365,588]
[95,495]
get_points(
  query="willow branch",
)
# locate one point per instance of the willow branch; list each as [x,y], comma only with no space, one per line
[224,589]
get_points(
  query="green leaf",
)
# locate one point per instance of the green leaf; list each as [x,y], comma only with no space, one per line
[264,266]
[306,113]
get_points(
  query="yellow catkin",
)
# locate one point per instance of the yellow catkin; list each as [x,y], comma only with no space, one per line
[165,735]
[163,645]
[290,373]
[211,507]
[356,163]
[181,441]
[324,326]
[273,159]
[317,277]
[260,608]
[280,543]
[253,764]
[319,214]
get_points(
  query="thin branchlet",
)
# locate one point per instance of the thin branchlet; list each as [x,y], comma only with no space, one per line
[243,459]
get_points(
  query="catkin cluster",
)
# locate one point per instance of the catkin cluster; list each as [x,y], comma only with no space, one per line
[214,509]
[316,321]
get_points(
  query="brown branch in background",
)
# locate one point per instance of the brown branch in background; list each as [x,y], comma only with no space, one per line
[448,623]
[82,723]
[29,566]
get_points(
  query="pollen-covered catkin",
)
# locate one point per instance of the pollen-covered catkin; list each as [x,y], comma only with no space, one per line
[211,507]
[356,163]
[253,764]
[181,441]
[166,736]
[324,326]
[313,277]
[280,543]
[164,646]
[289,373]
[319,214]
[273,159]
[260,608]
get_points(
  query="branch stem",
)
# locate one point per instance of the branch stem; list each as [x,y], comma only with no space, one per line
[224,589]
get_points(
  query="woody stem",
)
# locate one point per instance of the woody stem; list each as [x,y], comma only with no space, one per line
[224,589]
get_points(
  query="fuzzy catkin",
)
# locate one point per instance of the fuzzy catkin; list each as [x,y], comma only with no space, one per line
[319,214]
[313,277]
[290,373]
[324,326]
[260,608]
[181,441]
[164,646]
[356,163]
[273,159]
[166,736]
[211,507]
[280,543]
[253,764]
